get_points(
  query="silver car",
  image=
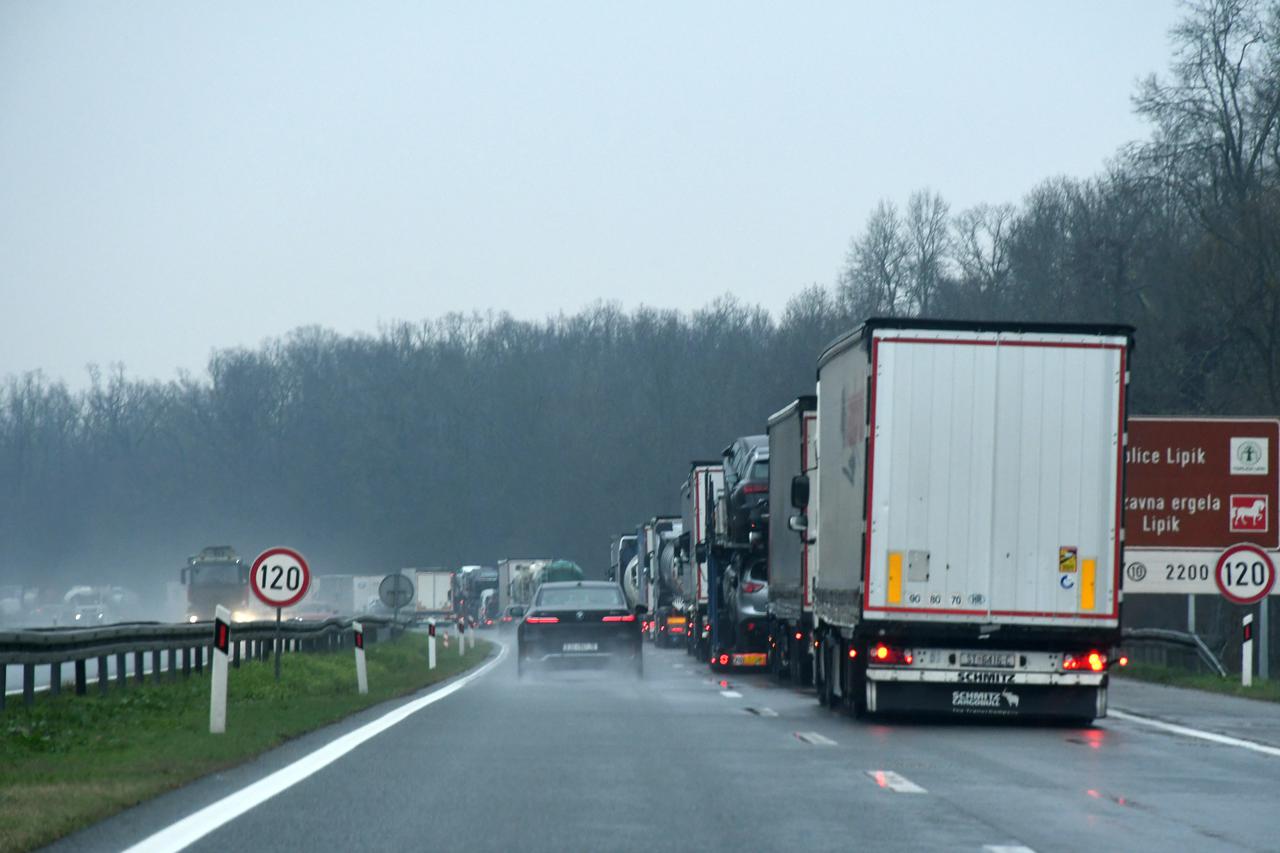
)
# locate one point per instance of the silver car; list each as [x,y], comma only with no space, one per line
[746,597]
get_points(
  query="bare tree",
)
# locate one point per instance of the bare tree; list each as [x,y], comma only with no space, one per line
[876,272]
[928,241]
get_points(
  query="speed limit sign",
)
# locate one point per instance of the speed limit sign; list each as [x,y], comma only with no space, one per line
[280,577]
[1245,574]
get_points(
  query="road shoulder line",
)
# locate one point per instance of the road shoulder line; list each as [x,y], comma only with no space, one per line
[1188,731]
[195,826]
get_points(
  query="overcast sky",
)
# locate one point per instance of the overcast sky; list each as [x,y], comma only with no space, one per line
[179,176]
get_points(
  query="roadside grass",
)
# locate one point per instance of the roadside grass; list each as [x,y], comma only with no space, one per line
[1267,691]
[67,761]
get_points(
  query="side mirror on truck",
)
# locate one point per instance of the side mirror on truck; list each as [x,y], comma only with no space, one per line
[798,522]
[800,491]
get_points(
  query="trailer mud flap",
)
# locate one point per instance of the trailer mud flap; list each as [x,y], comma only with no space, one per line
[1014,700]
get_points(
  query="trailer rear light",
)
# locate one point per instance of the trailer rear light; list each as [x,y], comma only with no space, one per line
[630,617]
[799,636]
[1094,660]
[751,626]
[752,587]
[1124,661]
[724,660]
[755,488]
[890,656]
[543,620]
[853,653]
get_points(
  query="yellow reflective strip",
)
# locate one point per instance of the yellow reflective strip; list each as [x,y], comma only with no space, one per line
[895,577]
[1088,568]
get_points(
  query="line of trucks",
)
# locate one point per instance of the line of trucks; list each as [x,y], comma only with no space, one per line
[483,596]
[937,527]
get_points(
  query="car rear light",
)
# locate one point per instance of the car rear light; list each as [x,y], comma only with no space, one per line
[751,587]
[889,656]
[1095,661]
[630,617]
[755,488]
[543,620]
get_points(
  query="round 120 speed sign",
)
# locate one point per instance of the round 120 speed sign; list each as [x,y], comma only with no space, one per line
[280,577]
[1245,574]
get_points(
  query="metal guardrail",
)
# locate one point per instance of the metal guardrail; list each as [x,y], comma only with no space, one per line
[1176,638]
[188,646]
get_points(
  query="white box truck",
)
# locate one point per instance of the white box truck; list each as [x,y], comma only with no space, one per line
[969,526]
[793,441]
[434,597]
[699,495]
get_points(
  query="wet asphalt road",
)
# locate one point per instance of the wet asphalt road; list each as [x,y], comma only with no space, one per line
[685,760]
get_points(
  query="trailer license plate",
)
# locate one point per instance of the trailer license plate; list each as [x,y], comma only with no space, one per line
[751,659]
[579,647]
[987,660]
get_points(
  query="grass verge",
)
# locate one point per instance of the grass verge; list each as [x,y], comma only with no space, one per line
[67,762]
[1268,691]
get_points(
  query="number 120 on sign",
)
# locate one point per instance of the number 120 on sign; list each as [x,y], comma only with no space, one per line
[280,577]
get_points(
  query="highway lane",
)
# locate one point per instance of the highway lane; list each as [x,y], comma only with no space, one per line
[687,760]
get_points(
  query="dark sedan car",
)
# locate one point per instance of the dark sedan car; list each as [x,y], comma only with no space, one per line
[580,622]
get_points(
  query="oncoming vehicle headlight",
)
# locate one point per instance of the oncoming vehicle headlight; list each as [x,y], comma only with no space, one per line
[193,618]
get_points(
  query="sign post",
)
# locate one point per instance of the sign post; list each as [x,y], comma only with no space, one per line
[431,644]
[218,681]
[280,578]
[462,637]
[362,674]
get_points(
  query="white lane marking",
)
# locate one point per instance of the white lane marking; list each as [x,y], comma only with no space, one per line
[195,826]
[1006,848]
[895,782]
[763,712]
[815,739]
[730,694]
[678,665]
[1176,729]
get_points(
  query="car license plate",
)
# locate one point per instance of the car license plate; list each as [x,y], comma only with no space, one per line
[751,659]
[579,647]
[676,620]
[987,660]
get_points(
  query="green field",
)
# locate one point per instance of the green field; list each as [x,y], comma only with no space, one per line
[1268,691]
[69,761]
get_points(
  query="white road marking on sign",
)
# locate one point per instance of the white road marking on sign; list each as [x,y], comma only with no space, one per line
[895,782]
[730,694]
[815,739]
[1006,848]
[1176,729]
[195,826]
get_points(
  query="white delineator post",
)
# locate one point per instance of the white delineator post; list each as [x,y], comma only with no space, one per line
[362,673]
[218,681]
[462,639]
[1246,653]
[431,644]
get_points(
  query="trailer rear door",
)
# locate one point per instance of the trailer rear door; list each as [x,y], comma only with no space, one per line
[995,467]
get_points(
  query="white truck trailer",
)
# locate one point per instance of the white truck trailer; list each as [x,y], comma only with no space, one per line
[969,525]
[793,442]
[699,495]
[434,597]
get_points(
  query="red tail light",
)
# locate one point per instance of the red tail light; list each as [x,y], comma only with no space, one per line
[890,656]
[724,660]
[630,617]
[751,587]
[853,653]
[799,636]
[1095,661]
[1124,661]
[755,488]
[543,620]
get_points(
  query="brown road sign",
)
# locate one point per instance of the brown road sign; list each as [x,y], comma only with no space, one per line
[1202,483]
